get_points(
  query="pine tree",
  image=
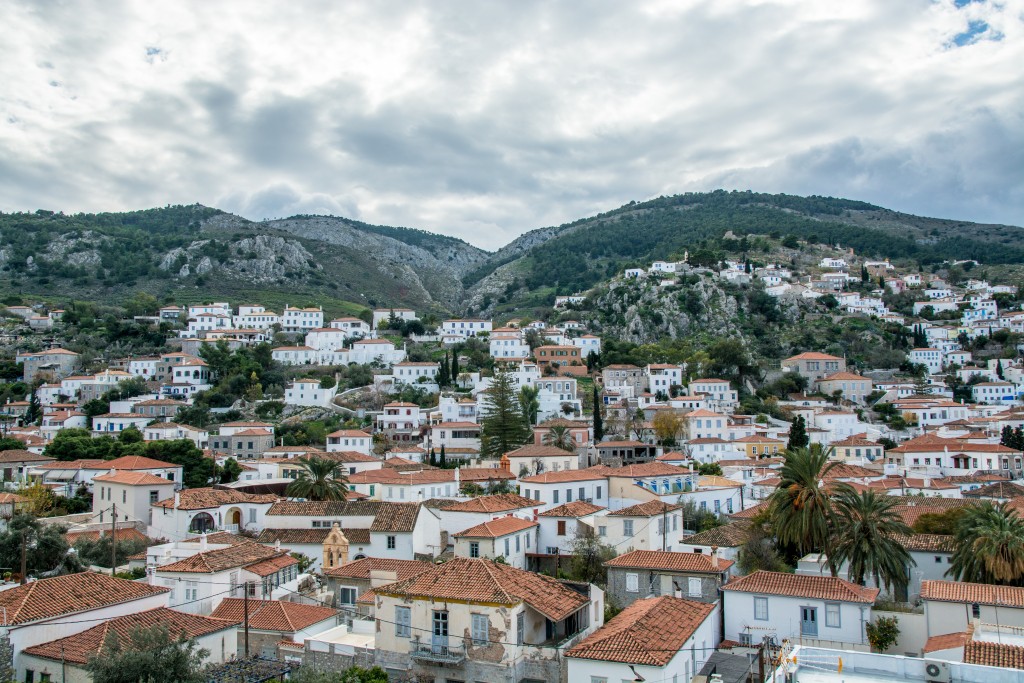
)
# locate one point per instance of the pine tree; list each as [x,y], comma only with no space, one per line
[35,409]
[798,434]
[598,424]
[1018,439]
[1007,437]
[503,428]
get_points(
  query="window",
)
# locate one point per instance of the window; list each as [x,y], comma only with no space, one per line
[506,548]
[976,611]
[597,493]
[474,549]
[154,496]
[554,495]
[403,622]
[191,591]
[761,609]
[694,587]
[602,531]
[627,527]
[347,595]
[632,583]
[561,527]
[124,496]
[583,493]
[517,544]
[832,619]
[745,639]
[391,542]
[568,495]
[480,627]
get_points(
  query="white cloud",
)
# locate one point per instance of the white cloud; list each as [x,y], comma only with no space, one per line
[483,120]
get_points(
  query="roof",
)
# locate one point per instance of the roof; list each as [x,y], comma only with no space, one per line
[588,474]
[994,654]
[726,536]
[799,586]
[535,451]
[648,509]
[206,498]
[220,538]
[222,559]
[293,536]
[361,569]
[843,376]
[648,632]
[480,580]
[325,508]
[133,479]
[999,489]
[669,561]
[68,594]
[577,508]
[271,565]
[125,534]
[980,593]
[496,527]
[395,517]
[273,615]
[19,455]
[812,355]
[79,648]
[930,543]
[947,641]
[499,502]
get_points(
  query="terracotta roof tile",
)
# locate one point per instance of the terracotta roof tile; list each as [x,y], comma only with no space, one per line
[795,585]
[360,569]
[126,534]
[395,517]
[293,536]
[206,498]
[648,509]
[1000,489]
[271,565]
[79,648]
[220,538]
[577,508]
[994,654]
[480,580]
[499,502]
[648,632]
[219,560]
[980,593]
[535,451]
[136,462]
[725,536]
[669,561]
[325,508]
[496,527]
[69,594]
[947,641]
[588,474]
[273,615]
[133,479]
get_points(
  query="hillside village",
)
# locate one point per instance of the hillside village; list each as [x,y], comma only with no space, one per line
[514,499]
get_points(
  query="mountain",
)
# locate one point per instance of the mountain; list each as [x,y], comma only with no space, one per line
[195,252]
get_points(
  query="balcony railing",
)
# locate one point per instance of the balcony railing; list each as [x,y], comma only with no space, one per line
[438,654]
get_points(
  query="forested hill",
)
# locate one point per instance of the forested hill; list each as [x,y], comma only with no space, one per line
[575,256]
[195,252]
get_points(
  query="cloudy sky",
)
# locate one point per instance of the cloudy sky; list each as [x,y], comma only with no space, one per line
[486,119]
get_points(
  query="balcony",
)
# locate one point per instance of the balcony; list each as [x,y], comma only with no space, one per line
[438,654]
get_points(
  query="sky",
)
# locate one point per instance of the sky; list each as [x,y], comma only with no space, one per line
[483,120]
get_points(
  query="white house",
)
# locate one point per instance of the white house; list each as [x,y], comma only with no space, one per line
[383,315]
[467,327]
[302,319]
[510,538]
[670,639]
[410,372]
[561,526]
[719,392]
[354,328]
[327,338]
[929,357]
[809,610]
[295,355]
[308,392]
[115,423]
[349,440]
[588,344]
[129,494]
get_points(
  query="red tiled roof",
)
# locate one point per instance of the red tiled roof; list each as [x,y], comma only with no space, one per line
[648,509]
[206,498]
[669,561]
[500,502]
[133,479]
[577,508]
[813,355]
[588,474]
[648,632]
[535,451]
[994,654]
[293,536]
[273,615]
[79,648]
[796,585]
[126,534]
[135,462]
[980,593]
[69,594]
[480,580]
[271,565]
[947,641]
[496,527]
[361,569]
[219,560]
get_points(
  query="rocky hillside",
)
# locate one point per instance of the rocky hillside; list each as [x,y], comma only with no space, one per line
[195,252]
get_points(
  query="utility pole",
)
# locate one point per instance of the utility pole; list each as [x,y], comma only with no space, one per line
[245,601]
[113,539]
[664,525]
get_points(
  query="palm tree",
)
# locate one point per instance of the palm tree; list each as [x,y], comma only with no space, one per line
[319,479]
[559,436]
[801,506]
[865,526]
[989,546]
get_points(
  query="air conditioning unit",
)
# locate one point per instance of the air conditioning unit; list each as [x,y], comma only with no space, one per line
[936,672]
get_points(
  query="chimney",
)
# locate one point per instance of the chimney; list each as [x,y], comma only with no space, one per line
[177,500]
[714,557]
[277,545]
[202,542]
[458,477]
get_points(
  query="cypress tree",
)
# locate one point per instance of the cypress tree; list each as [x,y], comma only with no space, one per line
[503,427]
[455,365]
[1007,437]
[433,458]
[798,434]
[1018,439]
[444,458]
[444,373]
[598,424]
[999,369]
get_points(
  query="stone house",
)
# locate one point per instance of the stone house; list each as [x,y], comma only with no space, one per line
[644,573]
